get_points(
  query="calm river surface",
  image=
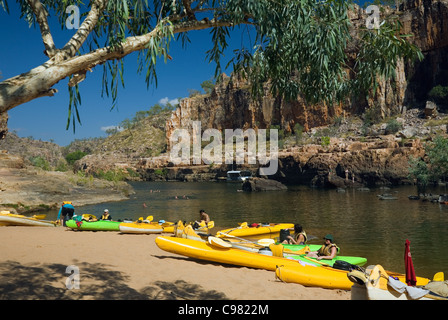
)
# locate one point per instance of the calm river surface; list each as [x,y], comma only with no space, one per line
[361,224]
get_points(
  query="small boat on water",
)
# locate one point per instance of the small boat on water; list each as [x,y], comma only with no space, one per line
[378,284]
[245,230]
[238,176]
[10,219]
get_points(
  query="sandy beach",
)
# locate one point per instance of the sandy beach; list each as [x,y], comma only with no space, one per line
[34,261]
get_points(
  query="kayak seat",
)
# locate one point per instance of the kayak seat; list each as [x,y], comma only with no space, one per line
[277,249]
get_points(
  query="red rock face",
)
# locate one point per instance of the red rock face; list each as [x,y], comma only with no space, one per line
[231,106]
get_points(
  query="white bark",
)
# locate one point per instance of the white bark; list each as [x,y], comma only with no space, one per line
[39,81]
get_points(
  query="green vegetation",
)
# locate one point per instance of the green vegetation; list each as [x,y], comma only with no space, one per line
[392,126]
[439,94]
[434,167]
[161,172]
[325,141]
[111,175]
[40,162]
[74,156]
[208,86]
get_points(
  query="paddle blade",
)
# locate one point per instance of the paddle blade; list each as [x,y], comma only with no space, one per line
[218,242]
[266,242]
[39,216]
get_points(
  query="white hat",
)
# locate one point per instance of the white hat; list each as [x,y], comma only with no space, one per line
[105,210]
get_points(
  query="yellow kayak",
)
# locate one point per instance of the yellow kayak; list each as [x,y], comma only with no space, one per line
[140,227]
[147,226]
[11,219]
[245,230]
[378,284]
[324,277]
[223,252]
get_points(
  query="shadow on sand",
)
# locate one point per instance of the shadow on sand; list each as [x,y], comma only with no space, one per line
[97,282]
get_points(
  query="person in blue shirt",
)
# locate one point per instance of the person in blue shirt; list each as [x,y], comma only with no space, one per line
[66,212]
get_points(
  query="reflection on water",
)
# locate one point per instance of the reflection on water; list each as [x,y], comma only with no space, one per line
[362,224]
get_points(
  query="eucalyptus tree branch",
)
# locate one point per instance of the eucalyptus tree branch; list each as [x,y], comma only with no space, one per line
[73,45]
[41,18]
[38,82]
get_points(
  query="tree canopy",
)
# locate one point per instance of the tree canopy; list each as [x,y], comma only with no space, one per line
[299,48]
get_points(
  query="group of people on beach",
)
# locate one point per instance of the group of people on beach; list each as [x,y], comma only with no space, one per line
[328,250]
[67,211]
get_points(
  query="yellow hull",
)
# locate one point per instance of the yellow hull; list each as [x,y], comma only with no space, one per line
[246,231]
[140,228]
[286,269]
[324,277]
[205,251]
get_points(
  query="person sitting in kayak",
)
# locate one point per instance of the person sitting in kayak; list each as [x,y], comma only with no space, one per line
[106,215]
[203,216]
[66,212]
[299,236]
[328,251]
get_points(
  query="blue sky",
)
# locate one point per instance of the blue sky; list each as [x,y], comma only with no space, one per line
[45,118]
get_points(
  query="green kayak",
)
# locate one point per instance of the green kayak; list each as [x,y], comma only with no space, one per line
[359,261]
[102,225]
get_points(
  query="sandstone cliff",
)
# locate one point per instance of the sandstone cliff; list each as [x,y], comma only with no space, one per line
[230,105]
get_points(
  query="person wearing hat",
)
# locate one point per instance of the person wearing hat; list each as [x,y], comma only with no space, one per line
[328,251]
[106,215]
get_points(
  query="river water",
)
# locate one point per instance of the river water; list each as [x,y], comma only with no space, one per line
[361,224]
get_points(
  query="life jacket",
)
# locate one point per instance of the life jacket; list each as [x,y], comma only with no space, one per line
[105,216]
[303,233]
[326,250]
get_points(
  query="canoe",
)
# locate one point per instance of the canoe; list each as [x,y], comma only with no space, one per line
[298,252]
[322,276]
[290,248]
[378,284]
[245,230]
[11,219]
[140,227]
[167,227]
[205,251]
[101,225]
